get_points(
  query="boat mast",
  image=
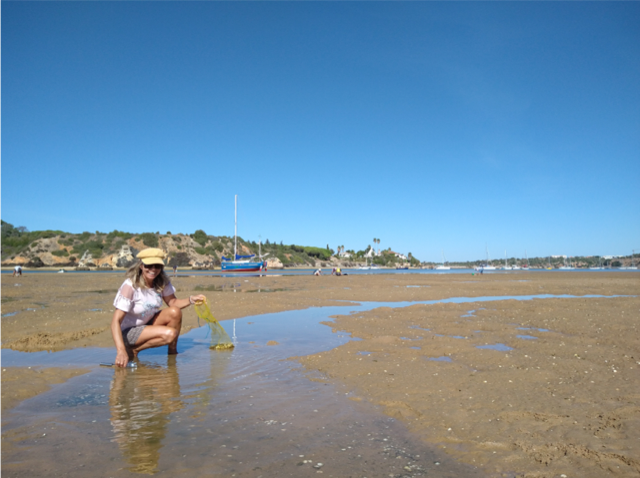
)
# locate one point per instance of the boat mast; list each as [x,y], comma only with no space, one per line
[235,244]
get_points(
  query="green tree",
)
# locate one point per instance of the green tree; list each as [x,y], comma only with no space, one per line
[200,237]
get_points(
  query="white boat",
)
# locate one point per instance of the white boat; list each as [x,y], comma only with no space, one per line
[365,267]
[566,267]
[506,267]
[487,266]
[443,267]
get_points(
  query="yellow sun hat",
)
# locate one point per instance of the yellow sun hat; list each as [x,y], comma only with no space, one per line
[151,256]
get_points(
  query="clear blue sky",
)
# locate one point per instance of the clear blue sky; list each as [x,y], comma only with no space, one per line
[430,125]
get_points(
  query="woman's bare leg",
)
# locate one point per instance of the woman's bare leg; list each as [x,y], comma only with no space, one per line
[165,330]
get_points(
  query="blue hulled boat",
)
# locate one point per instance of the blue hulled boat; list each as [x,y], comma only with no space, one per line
[242,263]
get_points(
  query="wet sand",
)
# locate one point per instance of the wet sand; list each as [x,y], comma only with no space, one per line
[565,402]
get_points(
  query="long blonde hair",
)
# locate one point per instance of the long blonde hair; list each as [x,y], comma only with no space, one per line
[135,274]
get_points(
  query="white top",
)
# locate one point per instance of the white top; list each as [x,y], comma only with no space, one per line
[140,305]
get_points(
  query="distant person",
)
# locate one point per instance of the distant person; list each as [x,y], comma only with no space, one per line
[318,272]
[175,270]
[138,323]
[338,271]
[17,271]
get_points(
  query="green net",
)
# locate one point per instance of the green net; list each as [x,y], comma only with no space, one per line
[220,340]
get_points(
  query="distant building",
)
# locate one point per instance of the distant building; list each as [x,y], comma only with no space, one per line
[399,256]
[371,252]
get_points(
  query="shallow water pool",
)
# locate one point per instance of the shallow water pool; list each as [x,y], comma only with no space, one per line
[247,412]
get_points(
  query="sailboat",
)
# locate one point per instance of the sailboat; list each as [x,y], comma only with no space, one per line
[366,267]
[443,267]
[487,266]
[241,263]
[506,267]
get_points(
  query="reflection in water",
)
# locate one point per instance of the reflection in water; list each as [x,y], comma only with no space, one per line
[141,401]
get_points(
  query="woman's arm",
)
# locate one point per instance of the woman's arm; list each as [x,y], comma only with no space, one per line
[173,301]
[122,358]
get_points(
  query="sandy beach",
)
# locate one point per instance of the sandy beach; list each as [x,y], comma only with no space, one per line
[546,387]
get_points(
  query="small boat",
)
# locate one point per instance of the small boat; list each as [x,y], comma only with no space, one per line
[549,265]
[443,267]
[241,263]
[488,266]
[506,267]
[566,267]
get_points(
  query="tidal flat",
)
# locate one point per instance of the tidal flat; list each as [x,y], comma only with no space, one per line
[531,374]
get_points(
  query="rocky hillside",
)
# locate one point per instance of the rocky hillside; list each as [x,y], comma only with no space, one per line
[199,250]
[116,249]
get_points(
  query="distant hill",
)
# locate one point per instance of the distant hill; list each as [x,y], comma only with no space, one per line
[118,249]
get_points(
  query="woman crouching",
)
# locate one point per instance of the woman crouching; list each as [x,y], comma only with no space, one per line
[138,323]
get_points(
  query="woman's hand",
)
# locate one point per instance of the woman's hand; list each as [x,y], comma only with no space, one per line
[122,358]
[197,298]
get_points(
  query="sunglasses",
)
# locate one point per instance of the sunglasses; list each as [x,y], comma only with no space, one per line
[152,266]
